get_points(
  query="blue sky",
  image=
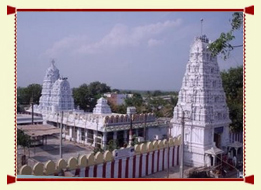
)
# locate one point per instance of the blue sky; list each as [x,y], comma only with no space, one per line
[125,50]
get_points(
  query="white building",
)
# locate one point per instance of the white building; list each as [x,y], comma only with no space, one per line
[203,102]
[97,128]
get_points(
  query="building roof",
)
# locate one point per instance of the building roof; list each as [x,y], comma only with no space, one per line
[38,130]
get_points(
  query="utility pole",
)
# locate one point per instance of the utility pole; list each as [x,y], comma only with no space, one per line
[144,130]
[32,103]
[61,126]
[182,146]
[130,131]
[168,148]
[32,112]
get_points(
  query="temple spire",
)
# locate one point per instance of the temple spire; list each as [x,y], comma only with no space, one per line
[52,62]
[201,27]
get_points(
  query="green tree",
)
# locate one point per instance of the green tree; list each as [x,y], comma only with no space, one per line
[232,81]
[223,45]
[23,140]
[157,93]
[136,100]
[86,96]
[25,94]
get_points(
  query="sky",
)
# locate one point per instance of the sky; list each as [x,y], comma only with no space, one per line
[125,50]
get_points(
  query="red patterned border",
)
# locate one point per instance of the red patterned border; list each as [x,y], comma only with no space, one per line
[15,93]
[12,10]
[244,93]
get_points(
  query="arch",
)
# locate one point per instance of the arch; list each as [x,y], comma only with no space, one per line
[107,156]
[125,118]
[165,142]
[82,161]
[122,119]
[142,148]
[38,169]
[25,170]
[155,145]
[90,159]
[160,144]
[61,164]
[98,158]
[137,149]
[49,167]
[117,119]
[107,119]
[149,147]
[72,163]
[112,119]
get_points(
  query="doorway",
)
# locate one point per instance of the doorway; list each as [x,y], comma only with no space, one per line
[217,140]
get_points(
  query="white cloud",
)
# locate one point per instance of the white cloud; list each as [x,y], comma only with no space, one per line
[119,36]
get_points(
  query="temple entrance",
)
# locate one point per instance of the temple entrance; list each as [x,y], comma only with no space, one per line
[217,136]
[217,140]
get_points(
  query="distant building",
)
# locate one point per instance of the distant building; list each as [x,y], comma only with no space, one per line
[117,99]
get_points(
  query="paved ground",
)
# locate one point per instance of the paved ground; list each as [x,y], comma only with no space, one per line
[173,173]
[51,151]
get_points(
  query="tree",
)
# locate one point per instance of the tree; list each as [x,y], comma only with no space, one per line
[24,94]
[157,93]
[136,100]
[23,140]
[86,96]
[232,81]
[223,45]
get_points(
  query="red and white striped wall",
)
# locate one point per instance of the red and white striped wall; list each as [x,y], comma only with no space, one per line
[136,166]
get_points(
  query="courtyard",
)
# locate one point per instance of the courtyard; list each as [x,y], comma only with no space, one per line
[51,151]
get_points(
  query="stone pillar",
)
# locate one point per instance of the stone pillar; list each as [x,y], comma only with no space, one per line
[86,135]
[78,135]
[104,139]
[70,132]
[94,137]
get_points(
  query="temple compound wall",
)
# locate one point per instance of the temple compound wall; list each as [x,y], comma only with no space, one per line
[148,158]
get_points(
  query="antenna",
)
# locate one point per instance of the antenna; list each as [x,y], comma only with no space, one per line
[201,26]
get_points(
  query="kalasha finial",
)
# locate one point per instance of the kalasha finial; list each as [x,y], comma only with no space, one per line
[52,61]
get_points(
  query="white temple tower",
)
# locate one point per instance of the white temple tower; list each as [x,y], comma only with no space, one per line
[203,102]
[56,93]
[52,74]
[61,96]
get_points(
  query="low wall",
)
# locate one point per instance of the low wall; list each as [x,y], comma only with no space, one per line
[148,158]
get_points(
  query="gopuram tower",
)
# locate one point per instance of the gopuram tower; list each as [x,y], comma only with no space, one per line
[202,106]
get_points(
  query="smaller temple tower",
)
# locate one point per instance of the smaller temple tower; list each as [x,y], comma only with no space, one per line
[61,96]
[102,107]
